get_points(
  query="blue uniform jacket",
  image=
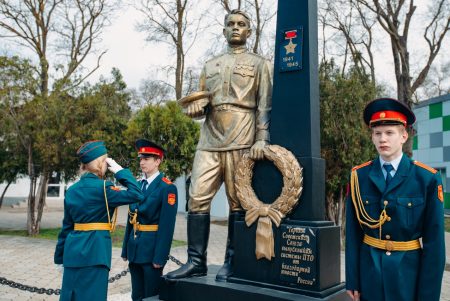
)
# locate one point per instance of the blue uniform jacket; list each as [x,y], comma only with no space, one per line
[416,210]
[158,208]
[85,203]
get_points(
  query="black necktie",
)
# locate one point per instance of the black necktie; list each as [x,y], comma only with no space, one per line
[388,167]
[144,185]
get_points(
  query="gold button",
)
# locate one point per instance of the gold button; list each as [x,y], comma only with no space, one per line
[135,210]
[389,246]
[388,253]
[367,202]
[385,203]
[388,237]
[409,204]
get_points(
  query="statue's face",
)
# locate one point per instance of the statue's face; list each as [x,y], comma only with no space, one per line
[236,30]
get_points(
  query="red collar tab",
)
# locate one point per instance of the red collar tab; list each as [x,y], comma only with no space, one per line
[388,116]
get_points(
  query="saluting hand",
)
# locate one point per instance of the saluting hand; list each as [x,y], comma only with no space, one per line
[113,166]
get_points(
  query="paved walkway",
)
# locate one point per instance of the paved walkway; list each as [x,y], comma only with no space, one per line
[30,261]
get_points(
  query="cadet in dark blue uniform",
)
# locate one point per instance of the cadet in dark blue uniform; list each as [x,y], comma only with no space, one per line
[395,222]
[149,232]
[84,243]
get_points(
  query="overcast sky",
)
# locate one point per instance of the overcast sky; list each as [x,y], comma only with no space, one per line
[137,59]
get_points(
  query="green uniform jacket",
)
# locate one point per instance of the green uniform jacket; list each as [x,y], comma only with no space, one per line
[414,203]
[158,208]
[85,203]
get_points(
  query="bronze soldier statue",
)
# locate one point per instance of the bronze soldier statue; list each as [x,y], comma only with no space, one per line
[235,98]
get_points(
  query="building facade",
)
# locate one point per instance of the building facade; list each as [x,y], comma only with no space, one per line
[18,193]
[431,144]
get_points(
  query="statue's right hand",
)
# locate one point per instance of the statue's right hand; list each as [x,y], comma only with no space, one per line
[196,108]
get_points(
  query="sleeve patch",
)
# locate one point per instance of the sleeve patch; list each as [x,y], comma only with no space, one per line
[171,199]
[440,193]
[115,188]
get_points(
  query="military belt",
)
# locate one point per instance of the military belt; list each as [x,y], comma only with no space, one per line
[147,228]
[390,245]
[92,226]
[231,107]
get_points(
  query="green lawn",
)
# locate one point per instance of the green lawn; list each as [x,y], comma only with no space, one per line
[447,224]
[117,236]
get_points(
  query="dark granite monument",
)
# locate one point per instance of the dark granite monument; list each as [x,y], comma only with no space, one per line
[306,265]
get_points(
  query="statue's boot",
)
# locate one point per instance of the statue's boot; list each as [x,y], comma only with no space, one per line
[198,235]
[227,268]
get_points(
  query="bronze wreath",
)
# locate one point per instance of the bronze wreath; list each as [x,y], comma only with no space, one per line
[291,170]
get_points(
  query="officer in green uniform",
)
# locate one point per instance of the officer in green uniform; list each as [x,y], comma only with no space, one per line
[84,243]
[395,221]
[149,232]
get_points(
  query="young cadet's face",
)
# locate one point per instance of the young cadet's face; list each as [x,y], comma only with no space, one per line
[149,165]
[236,30]
[389,139]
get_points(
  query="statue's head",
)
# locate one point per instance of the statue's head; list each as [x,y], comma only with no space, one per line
[237,28]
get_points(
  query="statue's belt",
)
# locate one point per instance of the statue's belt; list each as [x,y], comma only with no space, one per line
[390,245]
[231,107]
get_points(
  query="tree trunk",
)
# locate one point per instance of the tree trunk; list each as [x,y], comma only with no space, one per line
[42,193]
[258,27]
[31,206]
[331,208]
[4,192]
[179,70]
[31,194]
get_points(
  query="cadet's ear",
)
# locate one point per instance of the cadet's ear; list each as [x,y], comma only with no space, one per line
[249,32]
[404,133]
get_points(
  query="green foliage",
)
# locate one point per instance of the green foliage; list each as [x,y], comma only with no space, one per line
[345,139]
[167,126]
[100,112]
[17,87]
[55,126]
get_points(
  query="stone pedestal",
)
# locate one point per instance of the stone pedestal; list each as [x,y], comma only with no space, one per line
[307,258]
[208,289]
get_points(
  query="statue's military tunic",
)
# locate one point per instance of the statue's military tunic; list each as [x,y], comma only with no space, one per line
[143,247]
[413,204]
[237,115]
[86,255]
